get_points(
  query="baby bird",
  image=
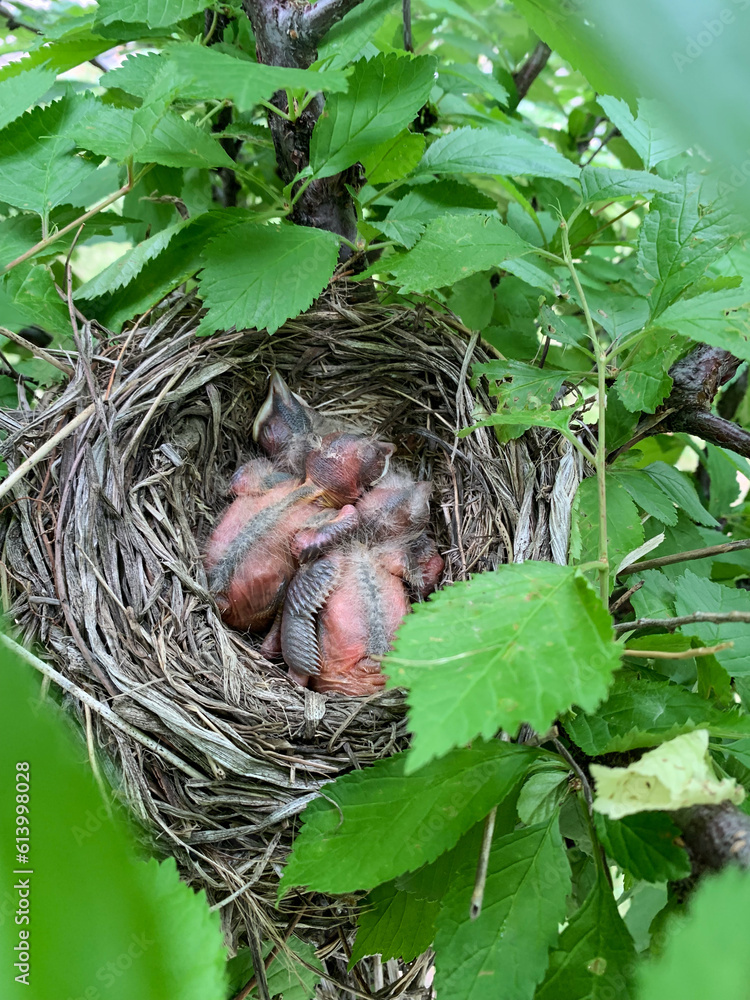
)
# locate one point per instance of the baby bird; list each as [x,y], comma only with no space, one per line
[287,429]
[251,554]
[342,610]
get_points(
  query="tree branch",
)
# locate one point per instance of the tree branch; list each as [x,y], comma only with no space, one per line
[715,836]
[678,557]
[715,617]
[530,70]
[318,20]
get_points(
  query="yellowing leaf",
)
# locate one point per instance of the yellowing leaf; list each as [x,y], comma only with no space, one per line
[675,775]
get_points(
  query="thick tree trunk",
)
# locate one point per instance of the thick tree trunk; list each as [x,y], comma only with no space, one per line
[287,35]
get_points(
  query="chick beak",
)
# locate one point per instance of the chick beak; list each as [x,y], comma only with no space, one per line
[282,417]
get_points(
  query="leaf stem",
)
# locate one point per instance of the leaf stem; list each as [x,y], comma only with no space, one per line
[601,444]
[477,897]
[670,624]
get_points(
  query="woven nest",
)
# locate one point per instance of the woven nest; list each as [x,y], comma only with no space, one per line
[211,747]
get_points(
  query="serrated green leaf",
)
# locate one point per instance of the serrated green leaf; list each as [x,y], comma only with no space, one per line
[346,39]
[542,795]
[407,219]
[624,528]
[568,330]
[498,150]
[260,276]
[715,925]
[646,493]
[162,14]
[679,239]
[520,385]
[37,167]
[155,931]
[519,644]
[603,184]
[19,93]
[377,823]
[515,422]
[384,95]
[676,775]
[504,951]
[644,713]
[74,47]
[466,78]
[696,593]
[31,290]
[649,134]
[286,976]
[454,247]
[721,319]
[722,467]
[201,73]
[644,381]
[122,271]
[395,924]
[136,75]
[644,845]
[393,159]
[171,141]
[595,957]
[678,488]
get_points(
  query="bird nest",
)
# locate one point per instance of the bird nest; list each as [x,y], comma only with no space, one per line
[212,748]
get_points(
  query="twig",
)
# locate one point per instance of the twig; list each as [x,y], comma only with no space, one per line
[670,624]
[41,453]
[43,244]
[321,17]
[576,768]
[97,706]
[531,69]
[678,557]
[624,597]
[477,897]
[685,654]
[38,352]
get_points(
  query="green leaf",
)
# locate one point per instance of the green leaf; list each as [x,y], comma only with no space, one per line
[515,422]
[721,319]
[644,381]
[646,493]
[346,39]
[172,141]
[676,775]
[37,167]
[32,292]
[136,75]
[152,929]
[603,184]
[395,924]
[384,95]
[624,528]
[154,13]
[678,488]
[19,93]
[286,976]
[715,927]
[542,795]
[127,267]
[649,134]
[518,384]
[454,247]
[696,593]
[644,713]
[393,159]
[644,845]
[465,78]
[376,823]
[722,467]
[595,957]
[498,150]
[679,239]
[260,276]
[70,50]
[519,644]
[201,73]
[407,219]
[504,951]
